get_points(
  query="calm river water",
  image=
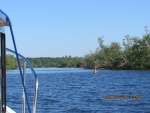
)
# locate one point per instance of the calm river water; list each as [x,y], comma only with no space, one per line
[75,90]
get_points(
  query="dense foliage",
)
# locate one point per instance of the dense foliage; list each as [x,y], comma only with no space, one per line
[133,53]
[11,62]
[66,61]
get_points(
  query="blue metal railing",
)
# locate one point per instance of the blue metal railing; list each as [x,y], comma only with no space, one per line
[36,78]
[18,61]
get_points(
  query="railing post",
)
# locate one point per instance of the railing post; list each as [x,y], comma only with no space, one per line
[35,95]
[23,96]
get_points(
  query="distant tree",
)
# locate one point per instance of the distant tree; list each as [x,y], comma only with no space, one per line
[101,42]
[11,62]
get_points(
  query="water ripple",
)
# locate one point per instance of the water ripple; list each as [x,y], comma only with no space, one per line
[64,90]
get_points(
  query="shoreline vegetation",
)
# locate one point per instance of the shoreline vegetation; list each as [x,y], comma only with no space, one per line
[132,54]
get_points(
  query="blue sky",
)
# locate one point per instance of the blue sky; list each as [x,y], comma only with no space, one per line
[55,28]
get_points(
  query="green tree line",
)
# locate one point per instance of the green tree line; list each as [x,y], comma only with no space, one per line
[133,53]
[66,61]
[11,62]
[61,62]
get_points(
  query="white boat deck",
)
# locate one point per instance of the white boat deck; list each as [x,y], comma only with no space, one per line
[9,110]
